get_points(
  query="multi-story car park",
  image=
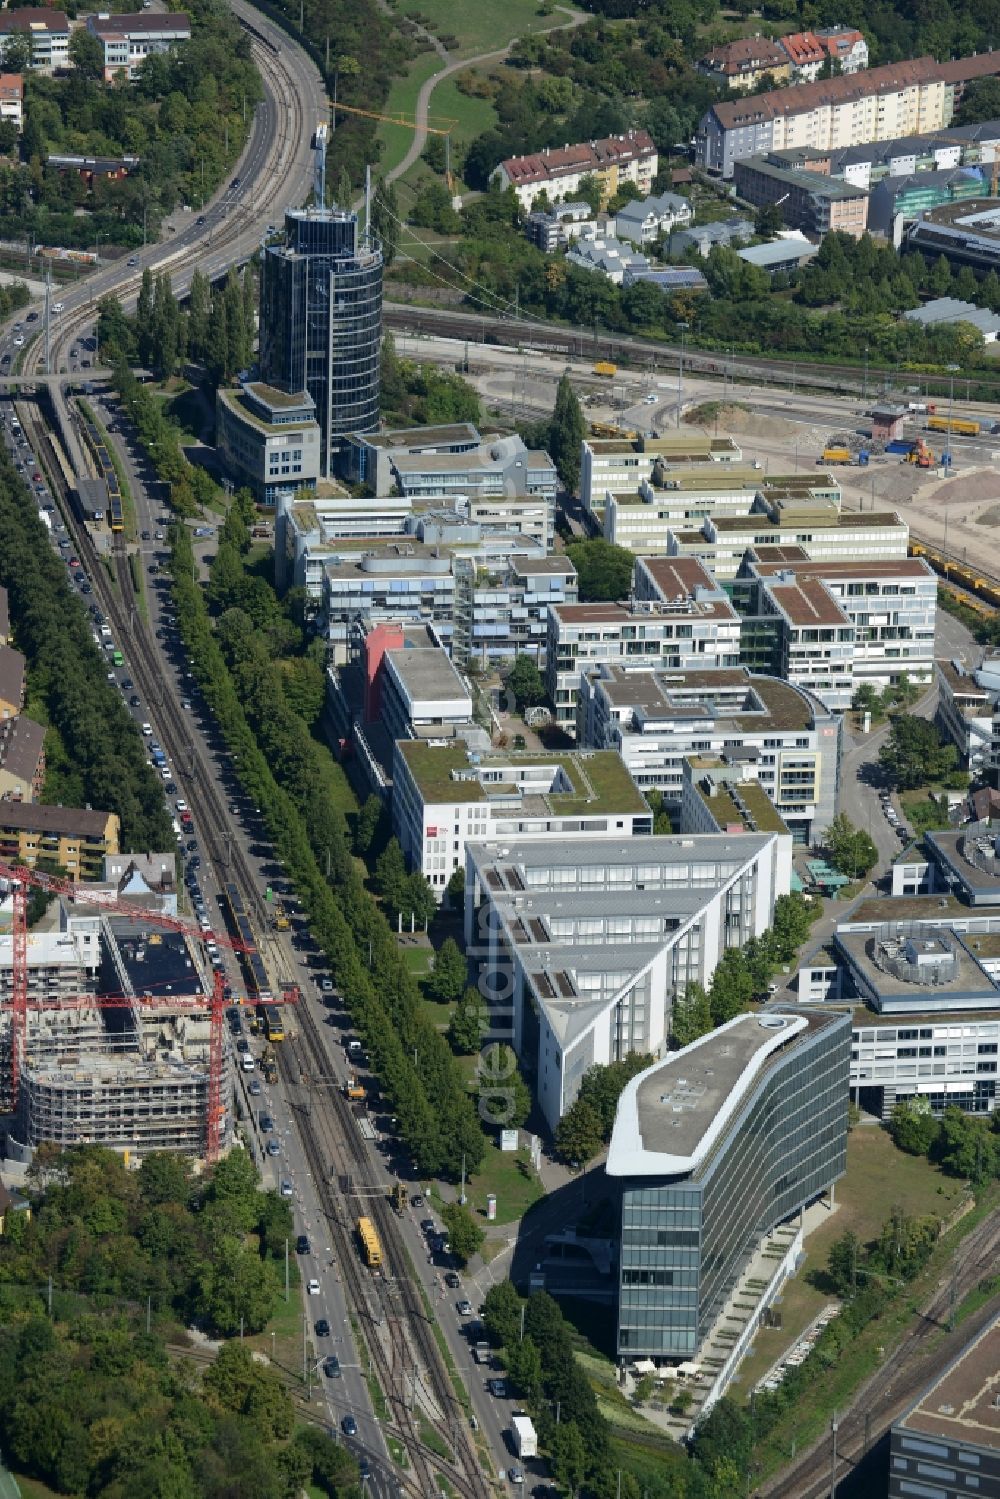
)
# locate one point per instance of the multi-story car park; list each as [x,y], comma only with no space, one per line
[713,1147]
[586,942]
[656,719]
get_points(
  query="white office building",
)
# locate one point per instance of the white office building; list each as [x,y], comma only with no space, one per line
[620,464]
[584,944]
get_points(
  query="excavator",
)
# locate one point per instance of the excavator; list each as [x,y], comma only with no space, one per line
[920,454]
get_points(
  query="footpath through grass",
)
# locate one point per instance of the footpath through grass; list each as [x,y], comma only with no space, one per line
[878,1178]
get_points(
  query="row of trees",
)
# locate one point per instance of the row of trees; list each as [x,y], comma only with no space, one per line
[190,487]
[94,752]
[217,329]
[589,1120]
[295,781]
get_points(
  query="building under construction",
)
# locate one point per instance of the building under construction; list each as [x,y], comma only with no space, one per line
[117,1045]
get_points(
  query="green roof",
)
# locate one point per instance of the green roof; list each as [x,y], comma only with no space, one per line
[600,780]
[754,799]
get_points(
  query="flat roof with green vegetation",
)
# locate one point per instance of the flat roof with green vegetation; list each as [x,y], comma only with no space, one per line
[235,402]
[753,800]
[600,780]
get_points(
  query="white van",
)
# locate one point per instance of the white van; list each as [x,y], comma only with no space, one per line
[247,1062]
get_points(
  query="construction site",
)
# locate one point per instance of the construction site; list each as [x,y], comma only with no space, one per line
[111,1029]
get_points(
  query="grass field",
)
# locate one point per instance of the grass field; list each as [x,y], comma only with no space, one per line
[878,1178]
[479,25]
[394,140]
[509,1175]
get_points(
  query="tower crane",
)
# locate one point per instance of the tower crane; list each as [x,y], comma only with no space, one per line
[19,877]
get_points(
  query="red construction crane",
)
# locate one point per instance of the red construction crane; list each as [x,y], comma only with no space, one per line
[20,876]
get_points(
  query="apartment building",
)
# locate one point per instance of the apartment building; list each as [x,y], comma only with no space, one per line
[778,732]
[678,620]
[444,795]
[806,54]
[845,46]
[12,99]
[610,465]
[558,172]
[47,30]
[12,682]
[551,229]
[811,201]
[75,838]
[587,941]
[129,39]
[904,98]
[743,63]
[645,220]
[22,759]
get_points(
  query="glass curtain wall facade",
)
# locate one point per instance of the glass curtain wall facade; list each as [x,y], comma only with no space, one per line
[321,322]
[685,1240]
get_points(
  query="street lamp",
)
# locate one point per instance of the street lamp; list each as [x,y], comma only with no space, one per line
[864,389]
[680,372]
[951,368]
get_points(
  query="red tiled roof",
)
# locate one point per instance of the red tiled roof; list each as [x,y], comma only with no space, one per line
[11,86]
[803,47]
[587,156]
[745,53]
[962,69]
[803,97]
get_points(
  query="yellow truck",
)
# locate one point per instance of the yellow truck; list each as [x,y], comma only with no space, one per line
[605,368]
[837,455]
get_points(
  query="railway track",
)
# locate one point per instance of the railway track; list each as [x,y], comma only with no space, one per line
[342,1171]
[329,1133]
[588,343]
[909,1368]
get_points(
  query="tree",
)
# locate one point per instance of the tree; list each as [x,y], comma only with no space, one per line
[524,680]
[967,1147]
[842,1263]
[768,220]
[366,824]
[604,570]
[237,1383]
[913,1126]
[86,53]
[469,1023]
[448,973]
[691,1015]
[390,875]
[199,311]
[732,986]
[567,430]
[793,918]
[915,752]
[385,219]
[464,1234]
[502,1314]
[579,1135]
[524,1365]
[455,888]
[849,849]
[980,102]
[569,1457]
[237,1290]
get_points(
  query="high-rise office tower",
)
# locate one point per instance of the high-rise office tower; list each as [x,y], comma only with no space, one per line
[321,317]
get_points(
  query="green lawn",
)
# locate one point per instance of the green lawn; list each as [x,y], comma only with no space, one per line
[286,1325]
[394,140]
[878,1177]
[479,25]
[510,1176]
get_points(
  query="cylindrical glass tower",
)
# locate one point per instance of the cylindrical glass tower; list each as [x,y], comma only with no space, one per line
[321,321]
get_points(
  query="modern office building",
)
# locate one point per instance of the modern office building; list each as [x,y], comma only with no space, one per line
[798,518]
[620,463]
[966,712]
[947,1445]
[714,1147]
[966,233]
[445,794]
[678,620]
[832,626]
[781,734]
[583,943]
[321,322]
[268,441]
[811,201]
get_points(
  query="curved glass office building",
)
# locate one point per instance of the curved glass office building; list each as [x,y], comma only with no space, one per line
[321,321]
[715,1146]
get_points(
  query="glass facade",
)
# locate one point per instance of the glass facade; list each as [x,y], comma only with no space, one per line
[321,322]
[685,1240]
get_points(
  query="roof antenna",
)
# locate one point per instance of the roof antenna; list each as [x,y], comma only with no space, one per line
[368,205]
[319,165]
